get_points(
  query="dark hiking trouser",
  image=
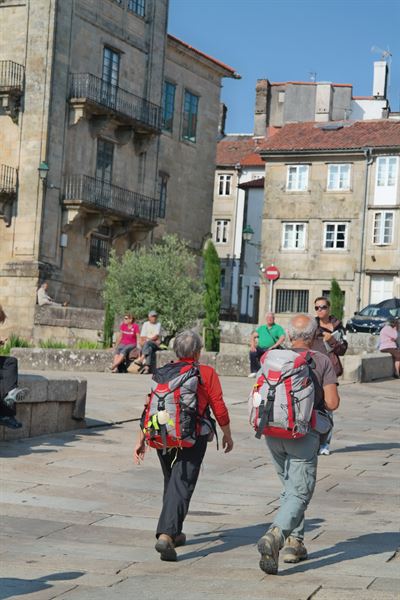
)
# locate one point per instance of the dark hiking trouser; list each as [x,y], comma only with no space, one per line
[149,352]
[8,381]
[180,478]
[255,359]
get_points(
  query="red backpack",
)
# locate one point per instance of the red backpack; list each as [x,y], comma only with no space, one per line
[170,417]
[282,400]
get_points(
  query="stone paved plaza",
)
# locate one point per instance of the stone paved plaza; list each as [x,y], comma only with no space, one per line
[78,517]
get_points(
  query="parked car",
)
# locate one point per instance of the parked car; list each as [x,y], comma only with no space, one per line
[371,319]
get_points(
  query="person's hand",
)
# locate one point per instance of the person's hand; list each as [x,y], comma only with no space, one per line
[327,336]
[139,452]
[227,443]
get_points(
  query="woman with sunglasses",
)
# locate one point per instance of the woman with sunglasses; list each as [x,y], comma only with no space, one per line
[330,340]
[126,341]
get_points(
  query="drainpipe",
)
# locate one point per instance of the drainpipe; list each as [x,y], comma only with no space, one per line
[368,162]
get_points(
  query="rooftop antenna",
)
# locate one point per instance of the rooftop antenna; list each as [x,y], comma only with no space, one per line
[313,76]
[385,54]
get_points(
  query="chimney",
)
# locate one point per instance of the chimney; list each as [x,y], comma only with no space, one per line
[380,79]
[223,109]
[323,101]
[261,108]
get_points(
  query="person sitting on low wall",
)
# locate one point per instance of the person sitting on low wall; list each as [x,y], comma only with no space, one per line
[10,393]
[388,338]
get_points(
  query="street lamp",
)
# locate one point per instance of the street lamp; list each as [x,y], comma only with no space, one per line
[43,171]
[247,233]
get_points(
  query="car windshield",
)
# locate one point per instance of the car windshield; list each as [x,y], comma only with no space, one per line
[370,311]
[376,311]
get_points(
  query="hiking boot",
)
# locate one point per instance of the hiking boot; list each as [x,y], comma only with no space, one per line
[294,550]
[165,546]
[268,546]
[15,395]
[179,540]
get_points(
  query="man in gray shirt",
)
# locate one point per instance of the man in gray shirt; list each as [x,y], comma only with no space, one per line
[295,460]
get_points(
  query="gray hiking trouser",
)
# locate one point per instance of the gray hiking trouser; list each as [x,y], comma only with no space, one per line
[295,462]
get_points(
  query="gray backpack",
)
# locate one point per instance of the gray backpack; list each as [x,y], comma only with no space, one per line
[282,400]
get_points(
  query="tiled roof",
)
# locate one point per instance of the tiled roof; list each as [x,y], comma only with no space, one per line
[252,160]
[239,149]
[230,71]
[295,137]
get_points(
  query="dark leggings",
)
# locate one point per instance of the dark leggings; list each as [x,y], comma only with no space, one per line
[181,469]
[255,358]
[8,381]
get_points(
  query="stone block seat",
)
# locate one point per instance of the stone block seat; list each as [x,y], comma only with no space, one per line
[52,405]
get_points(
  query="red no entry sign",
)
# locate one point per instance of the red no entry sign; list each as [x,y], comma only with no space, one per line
[272,273]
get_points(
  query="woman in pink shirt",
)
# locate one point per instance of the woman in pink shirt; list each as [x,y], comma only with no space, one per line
[388,343]
[126,341]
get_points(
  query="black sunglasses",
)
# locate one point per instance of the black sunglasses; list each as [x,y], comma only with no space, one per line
[321,307]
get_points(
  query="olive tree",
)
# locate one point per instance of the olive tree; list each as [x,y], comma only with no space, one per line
[162,277]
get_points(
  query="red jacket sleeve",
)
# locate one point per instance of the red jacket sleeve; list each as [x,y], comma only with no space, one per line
[210,394]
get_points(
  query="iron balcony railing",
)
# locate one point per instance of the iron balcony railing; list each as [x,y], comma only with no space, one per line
[90,87]
[8,180]
[102,195]
[11,75]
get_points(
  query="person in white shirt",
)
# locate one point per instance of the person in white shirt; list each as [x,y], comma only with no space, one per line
[150,340]
[43,297]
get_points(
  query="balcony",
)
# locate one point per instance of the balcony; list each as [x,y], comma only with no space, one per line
[91,96]
[8,192]
[11,88]
[95,195]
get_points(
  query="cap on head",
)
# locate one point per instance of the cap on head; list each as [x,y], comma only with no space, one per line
[153,313]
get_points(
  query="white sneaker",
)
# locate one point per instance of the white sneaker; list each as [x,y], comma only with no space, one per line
[324,451]
[252,375]
[15,395]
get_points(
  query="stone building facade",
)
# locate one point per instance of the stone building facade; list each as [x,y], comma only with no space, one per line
[87,164]
[238,161]
[332,209]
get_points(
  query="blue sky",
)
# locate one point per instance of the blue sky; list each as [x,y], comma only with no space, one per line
[286,40]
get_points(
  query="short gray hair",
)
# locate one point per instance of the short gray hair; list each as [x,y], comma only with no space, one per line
[306,333]
[187,344]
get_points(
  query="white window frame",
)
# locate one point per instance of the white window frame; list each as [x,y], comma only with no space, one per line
[379,233]
[338,181]
[335,225]
[222,231]
[386,171]
[296,225]
[297,182]
[224,185]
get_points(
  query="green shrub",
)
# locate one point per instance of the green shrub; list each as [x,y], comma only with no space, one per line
[50,343]
[14,341]
[336,299]
[212,297]
[87,345]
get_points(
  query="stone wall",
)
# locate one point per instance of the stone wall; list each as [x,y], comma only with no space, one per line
[52,405]
[51,359]
[357,367]
[67,324]
[235,338]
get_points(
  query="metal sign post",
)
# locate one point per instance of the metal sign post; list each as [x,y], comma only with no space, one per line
[272,274]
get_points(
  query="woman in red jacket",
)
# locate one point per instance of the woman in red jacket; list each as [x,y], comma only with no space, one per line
[181,466]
